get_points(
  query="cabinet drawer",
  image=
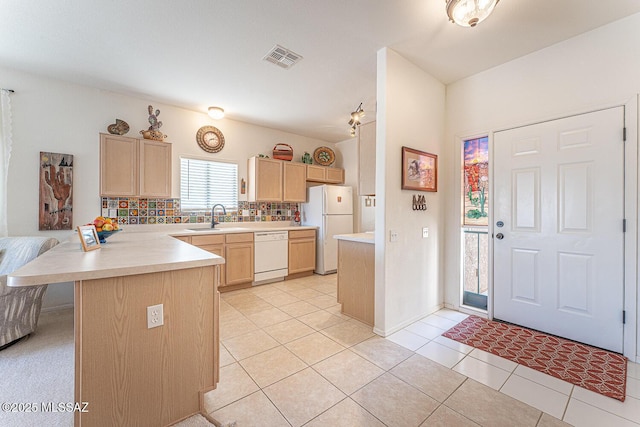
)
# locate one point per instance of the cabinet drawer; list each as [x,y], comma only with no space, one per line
[207,239]
[239,238]
[299,234]
[186,239]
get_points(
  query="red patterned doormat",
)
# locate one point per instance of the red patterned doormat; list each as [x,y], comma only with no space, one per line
[592,368]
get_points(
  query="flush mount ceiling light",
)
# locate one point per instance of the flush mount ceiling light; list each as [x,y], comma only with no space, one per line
[468,13]
[216,112]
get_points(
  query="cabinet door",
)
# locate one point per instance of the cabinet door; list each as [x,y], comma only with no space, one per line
[294,182]
[302,255]
[334,175]
[367,159]
[315,173]
[268,180]
[239,263]
[217,249]
[155,168]
[118,166]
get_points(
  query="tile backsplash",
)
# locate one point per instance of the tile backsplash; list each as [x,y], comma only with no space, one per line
[167,211]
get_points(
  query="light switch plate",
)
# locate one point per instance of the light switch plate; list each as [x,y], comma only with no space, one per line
[425,232]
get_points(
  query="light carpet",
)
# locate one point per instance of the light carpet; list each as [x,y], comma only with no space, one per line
[39,370]
[592,368]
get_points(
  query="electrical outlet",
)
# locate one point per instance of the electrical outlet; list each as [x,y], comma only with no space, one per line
[155,316]
[393,236]
[425,232]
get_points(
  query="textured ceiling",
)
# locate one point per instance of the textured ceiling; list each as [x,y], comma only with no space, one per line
[197,53]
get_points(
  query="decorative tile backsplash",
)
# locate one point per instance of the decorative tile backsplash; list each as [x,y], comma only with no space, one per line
[167,211]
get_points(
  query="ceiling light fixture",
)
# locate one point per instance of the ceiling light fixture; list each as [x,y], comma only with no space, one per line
[356,117]
[468,13]
[216,112]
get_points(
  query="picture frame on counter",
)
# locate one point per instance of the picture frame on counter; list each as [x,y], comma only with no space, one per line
[88,237]
[419,170]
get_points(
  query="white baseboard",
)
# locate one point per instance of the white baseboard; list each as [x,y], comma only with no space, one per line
[406,323]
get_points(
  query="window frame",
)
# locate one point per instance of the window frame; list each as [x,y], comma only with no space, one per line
[184,200]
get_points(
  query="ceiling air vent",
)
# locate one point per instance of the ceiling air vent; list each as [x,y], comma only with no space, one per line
[282,57]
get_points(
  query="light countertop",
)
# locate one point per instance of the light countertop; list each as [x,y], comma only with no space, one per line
[367,237]
[137,249]
[125,253]
[228,228]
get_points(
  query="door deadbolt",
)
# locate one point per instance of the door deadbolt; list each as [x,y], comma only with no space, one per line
[499,236]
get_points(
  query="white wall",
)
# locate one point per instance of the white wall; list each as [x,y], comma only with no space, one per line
[410,113]
[55,116]
[347,158]
[597,69]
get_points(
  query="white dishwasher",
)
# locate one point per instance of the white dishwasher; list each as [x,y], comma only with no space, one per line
[271,256]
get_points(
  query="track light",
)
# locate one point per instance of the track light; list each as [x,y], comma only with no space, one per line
[356,116]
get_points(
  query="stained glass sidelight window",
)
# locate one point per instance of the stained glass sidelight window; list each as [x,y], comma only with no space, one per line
[476,182]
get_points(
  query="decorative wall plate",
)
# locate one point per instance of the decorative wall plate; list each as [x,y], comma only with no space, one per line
[210,139]
[324,156]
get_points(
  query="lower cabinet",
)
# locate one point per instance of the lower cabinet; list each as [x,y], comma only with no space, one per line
[238,254]
[236,249]
[302,251]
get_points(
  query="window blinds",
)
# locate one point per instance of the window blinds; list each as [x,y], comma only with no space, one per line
[204,183]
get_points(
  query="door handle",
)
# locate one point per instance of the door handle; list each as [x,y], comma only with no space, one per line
[499,236]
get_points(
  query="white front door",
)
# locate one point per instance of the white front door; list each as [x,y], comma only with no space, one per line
[558,227]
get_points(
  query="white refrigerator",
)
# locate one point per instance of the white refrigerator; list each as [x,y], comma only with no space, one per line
[330,208]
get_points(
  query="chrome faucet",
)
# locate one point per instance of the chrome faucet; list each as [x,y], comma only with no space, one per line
[213,208]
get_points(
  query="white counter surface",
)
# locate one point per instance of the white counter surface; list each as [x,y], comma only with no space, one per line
[357,237]
[137,249]
[125,253]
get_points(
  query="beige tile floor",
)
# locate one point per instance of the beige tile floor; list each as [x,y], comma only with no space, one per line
[290,358]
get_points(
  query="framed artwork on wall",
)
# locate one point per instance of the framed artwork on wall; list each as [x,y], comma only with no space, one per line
[56,191]
[419,170]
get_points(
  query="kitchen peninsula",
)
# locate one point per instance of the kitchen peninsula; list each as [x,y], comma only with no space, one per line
[128,372]
[356,275]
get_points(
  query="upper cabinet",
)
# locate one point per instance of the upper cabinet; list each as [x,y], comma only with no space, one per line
[367,159]
[276,180]
[131,167]
[265,179]
[324,174]
[294,185]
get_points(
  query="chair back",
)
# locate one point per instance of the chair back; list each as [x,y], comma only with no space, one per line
[17,251]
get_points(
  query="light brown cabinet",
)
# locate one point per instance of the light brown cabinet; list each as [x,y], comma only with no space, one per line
[294,184]
[367,159]
[238,253]
[131,167]
[213,244]
[356,280]
[265,179]
[302,252]
[276,180]
[324,174]
[237,250]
